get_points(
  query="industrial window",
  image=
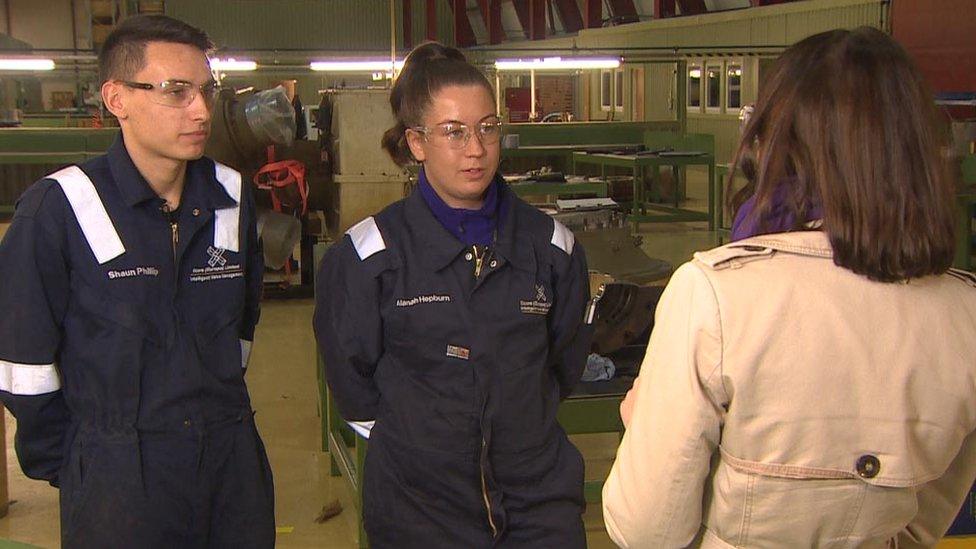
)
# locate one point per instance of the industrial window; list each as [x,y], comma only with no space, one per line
[606,83]
[733,87]
[612,90]
[713,88]
[694,86]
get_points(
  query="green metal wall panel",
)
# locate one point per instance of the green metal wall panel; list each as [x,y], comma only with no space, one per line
[659,89]
[300,24]
[724,128]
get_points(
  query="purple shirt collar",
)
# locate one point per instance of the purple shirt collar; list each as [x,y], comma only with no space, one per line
[472,227]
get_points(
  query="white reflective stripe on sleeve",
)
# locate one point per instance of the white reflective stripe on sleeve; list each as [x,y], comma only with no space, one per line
[245,352]
[562,237]
[87,206]
[28,379]
[362,428]
[227,221]
[366,238]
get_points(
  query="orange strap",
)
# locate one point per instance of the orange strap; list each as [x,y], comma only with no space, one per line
[275,177]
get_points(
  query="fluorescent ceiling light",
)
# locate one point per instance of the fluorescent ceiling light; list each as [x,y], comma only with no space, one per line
[354,66]
[557,63]
[232,65]
[26,64]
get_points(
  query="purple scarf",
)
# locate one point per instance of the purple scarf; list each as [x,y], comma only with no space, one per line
[780,220]
[472,227]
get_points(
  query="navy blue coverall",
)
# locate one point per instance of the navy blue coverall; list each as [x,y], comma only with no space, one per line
[463,376]
[122,350]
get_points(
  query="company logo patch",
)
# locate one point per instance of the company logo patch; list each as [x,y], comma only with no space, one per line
[539,306]
[423,299]
[216,257]
[218,267]
[136,271]
[456,351]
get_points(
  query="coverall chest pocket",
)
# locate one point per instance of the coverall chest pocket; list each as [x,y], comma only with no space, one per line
[107,317]
[421,331]
[219,344]
[523,318]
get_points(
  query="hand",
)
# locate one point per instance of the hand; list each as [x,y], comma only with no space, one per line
[627,405]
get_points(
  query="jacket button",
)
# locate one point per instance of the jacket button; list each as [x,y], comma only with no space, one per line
[868,466]
[196,212]
[468,256]
[493,264]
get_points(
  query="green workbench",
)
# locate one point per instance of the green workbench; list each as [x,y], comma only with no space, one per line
[530,188]
[641,209]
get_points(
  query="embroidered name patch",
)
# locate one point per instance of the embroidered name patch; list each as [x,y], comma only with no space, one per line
[423,299]
[138,271]
[538,306]
[455,351]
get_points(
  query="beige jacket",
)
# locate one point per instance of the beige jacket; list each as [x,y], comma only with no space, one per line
[787,402]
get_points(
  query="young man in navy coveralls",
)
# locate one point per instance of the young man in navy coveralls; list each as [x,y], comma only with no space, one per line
[130,297]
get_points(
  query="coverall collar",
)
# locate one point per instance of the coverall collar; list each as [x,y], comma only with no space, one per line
[438,247]
[135,189]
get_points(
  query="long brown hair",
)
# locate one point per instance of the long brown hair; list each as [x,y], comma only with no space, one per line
[845,122]
[429,67]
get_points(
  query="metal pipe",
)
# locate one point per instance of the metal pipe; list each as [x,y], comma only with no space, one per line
[498,93]
[532,113]
[393,40]
[10,24]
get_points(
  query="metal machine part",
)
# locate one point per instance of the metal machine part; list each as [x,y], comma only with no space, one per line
[624,315]
[245,124]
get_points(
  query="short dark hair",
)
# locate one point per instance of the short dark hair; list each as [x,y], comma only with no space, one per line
[429,67]
[124,51]
[845,123]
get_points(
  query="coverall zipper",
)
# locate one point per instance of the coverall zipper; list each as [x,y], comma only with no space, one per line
[484,494]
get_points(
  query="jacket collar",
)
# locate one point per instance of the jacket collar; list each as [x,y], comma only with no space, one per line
[201,181]
[812,243]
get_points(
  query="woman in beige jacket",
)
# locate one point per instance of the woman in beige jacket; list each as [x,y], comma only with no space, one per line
[813,385]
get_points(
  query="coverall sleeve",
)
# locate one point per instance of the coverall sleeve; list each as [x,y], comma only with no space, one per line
[34,298]
[253,273]
[653,495]
[570,335]
[349,330]
[939,500]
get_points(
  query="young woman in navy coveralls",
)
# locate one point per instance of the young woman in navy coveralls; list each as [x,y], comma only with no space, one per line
[453,319]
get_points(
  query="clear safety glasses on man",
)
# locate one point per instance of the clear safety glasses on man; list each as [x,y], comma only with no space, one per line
[176,93]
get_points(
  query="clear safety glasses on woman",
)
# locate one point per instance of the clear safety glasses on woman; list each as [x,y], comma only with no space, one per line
[455,135]
[176,93]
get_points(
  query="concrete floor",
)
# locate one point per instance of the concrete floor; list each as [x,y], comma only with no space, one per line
[284,393]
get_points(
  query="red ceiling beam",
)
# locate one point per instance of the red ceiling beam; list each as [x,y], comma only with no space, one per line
[569,14]
[530,16]
[430,20]
[463,33]
[491,14]
[692,7]
[623,10]
[665,8]
[593,13]
[407,24]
